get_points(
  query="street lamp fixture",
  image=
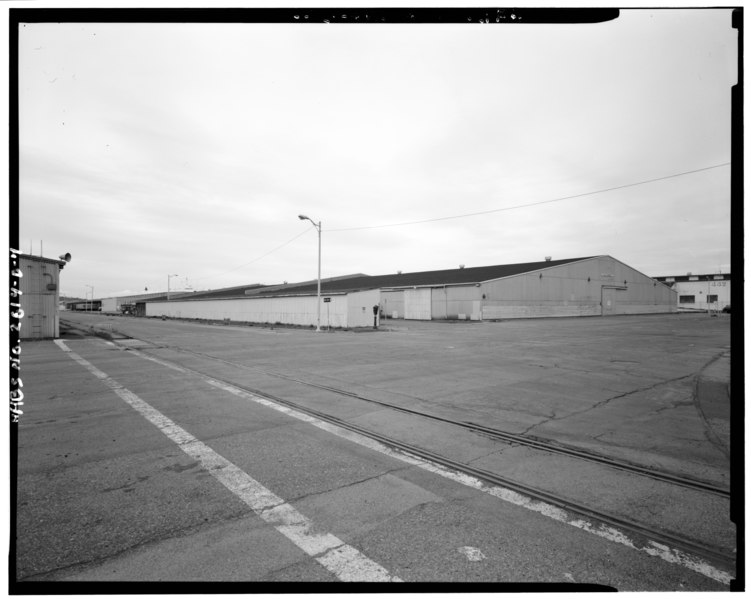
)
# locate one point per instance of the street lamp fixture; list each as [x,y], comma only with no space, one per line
[168,278]
[318,228]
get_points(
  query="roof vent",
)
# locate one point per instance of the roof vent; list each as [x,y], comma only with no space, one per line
[548,258]
[461,266]
[688,273]
[398,272]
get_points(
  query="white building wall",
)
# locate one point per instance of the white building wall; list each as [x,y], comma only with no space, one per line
[392,303]
[449,301]
[439,303]
[699,290]
[109,304]
[418,303]
[294,310]
[360,307]
[334,312]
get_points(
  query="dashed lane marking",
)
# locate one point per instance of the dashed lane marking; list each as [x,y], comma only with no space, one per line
[342,560]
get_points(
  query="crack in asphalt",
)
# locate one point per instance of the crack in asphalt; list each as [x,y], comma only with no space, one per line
[498,451]
[608,400]
[709,432]
[348,485]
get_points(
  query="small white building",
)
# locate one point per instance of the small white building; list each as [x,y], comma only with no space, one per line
[39,285]
[700,292]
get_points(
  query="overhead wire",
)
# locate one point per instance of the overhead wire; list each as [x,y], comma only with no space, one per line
[279,247]
[518,206]
[470,214]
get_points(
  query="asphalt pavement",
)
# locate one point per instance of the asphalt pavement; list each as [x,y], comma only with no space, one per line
[154,452]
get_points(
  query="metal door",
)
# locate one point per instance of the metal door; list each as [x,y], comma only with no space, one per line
[608,300]
[417,304]
[476,310]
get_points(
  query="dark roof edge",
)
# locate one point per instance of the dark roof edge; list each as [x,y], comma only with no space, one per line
[247,297]
[700,278]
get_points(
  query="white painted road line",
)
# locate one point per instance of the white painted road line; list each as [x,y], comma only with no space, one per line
[663,552]
[342,560]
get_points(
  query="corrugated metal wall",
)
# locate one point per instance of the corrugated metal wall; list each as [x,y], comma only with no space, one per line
[417,304]
[392,303]
[39,301]
[577,290]
[463,302]
[450,302]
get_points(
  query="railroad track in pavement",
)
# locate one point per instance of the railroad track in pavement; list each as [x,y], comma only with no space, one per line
[500,435]
[644,532]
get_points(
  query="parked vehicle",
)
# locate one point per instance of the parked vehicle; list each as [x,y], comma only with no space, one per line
[128,309]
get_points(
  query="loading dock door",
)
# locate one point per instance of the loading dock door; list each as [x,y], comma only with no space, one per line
[417,304]
[476,310]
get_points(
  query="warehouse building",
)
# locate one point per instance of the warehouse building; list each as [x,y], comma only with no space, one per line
[700,292]
[39,285]
[125,303]
[591,286]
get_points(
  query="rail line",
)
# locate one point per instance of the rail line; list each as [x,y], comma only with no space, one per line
[643,533]
[500,435]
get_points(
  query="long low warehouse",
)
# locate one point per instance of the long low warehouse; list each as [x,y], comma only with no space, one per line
[338,310]
[592,286]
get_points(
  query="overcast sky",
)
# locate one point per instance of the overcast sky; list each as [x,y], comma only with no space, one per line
[155,149]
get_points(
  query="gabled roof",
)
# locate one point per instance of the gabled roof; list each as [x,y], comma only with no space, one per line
[454,276]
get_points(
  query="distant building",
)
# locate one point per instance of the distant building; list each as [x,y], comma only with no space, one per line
[83,305]
[40,289]
[700,292]
[114,305]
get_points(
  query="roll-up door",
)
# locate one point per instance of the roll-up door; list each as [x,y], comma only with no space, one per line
[417,304]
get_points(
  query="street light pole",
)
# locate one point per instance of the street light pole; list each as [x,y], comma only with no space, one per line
[318,228]
[92,298]
[168,278]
